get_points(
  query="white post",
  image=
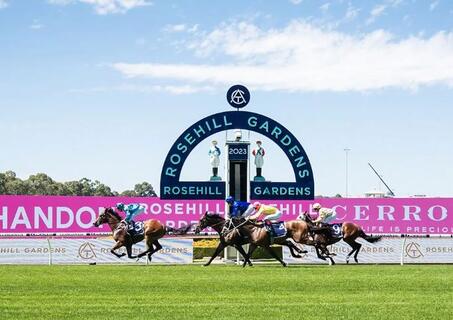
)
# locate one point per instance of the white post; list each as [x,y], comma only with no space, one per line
[402,251]
[50,251]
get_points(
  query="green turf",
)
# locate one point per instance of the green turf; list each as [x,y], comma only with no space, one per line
[226,292]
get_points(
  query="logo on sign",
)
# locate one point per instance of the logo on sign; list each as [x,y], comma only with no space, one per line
[86,251]
[413,250]
[238,96]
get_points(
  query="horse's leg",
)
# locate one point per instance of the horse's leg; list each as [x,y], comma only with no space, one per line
[115,247]
[359,245]
[252,248]
[326,252]
[319,254]
[157,247]
[292,248]
[274,255]
[149,246]
[219,249]
[355,249]
[244,254]
[129,252]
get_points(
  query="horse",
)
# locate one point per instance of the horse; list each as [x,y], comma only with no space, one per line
[350,232]
[244,232]
[153,231]
[217,223]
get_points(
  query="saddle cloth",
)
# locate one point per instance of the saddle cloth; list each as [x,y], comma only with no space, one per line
[279,229]
[137,230]
[336,230]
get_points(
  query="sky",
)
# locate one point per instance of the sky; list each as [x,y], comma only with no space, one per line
[102,88]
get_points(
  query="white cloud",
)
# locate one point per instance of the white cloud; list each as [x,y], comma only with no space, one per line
[181,28]
[173,89]
[3,4]
[175,27]
[376,12]
[433,5]
[351,13]
[325,7]
[103,7]
[296,2]
[36,25]
[303,57]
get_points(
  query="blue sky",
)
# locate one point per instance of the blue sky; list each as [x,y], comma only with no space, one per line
[102,88]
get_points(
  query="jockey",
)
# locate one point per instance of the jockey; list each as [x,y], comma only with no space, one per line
[271,214]
[240,209]
[325,215]
[132,210]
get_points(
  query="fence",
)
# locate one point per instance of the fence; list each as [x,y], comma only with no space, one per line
[90,250]
[390,250]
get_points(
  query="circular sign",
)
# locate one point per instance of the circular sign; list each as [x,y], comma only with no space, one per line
[238,96]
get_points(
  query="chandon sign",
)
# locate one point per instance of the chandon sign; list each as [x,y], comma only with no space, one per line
[172,188]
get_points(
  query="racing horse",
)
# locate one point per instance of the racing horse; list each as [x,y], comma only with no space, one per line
[218,223]
[349,233]
[243,232]
[153,231]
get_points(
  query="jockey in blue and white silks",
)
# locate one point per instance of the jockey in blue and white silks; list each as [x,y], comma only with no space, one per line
[239,209]
[131,210]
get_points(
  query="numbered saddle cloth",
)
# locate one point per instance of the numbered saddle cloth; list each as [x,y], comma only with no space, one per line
[279,229]
[336,230]
[138,229]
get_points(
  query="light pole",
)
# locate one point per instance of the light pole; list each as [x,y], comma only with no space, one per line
[346,150]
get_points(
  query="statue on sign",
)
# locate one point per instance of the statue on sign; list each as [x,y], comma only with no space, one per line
[259,153]
[214,159]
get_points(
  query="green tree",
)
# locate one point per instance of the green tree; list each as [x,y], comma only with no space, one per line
[144,189]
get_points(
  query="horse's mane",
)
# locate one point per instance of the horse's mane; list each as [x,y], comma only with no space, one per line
[214,215]
[113,213]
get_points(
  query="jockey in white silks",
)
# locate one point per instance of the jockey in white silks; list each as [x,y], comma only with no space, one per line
[325,215]
[259,153]
[214,158]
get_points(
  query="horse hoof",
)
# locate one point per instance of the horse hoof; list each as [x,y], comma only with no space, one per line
[347,261]
[284,265]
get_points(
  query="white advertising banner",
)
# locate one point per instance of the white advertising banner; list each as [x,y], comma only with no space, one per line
[84,251]
[388,250]
[427,250]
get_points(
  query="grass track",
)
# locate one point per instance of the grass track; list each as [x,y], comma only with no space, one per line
[226,292]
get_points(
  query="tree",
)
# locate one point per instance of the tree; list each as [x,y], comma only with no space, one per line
[42,184]
[144,189]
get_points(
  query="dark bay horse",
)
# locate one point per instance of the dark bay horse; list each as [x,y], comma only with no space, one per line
[153,231]
[350,232]
[243,232]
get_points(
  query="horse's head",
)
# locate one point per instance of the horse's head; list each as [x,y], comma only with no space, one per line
[305,217]
[104,217]
[208,219]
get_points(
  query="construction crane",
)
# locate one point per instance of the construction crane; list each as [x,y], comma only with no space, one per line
[380,178]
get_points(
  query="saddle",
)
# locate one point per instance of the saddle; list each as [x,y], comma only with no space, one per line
[333,231]
[276,229]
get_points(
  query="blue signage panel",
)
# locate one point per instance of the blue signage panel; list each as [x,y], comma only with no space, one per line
[238,152]
[280,190]
[194,190]
[238,96]
[219,122]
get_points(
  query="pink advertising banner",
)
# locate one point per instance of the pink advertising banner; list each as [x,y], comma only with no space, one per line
[58,214]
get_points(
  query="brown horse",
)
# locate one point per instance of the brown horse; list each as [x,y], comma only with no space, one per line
[350,232]
[217,223]
[243,232]
[153,231]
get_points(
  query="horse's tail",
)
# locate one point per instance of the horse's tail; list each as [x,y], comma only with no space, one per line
[371,239]
[177,232]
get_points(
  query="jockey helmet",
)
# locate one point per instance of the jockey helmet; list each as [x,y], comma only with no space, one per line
[316,206]
[256,205]
[120,206]
[229,200]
